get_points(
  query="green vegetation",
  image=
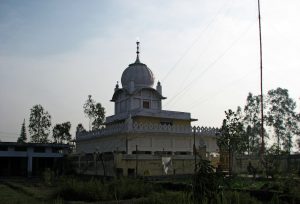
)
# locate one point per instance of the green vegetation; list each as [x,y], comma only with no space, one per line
[23,137]
[39,124]
[232,137]
[206,183]
[95,112]
[11,196]
[240,132]
[96,190]
[25,191]
[61,133]
[92,190]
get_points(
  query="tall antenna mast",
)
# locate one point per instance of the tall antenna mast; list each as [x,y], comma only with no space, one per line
[261,85]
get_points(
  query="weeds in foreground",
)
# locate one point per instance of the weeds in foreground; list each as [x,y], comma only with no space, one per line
[96,190]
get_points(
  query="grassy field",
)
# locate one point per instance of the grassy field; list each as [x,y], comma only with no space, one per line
[9,195]
[76,190]
[23,190]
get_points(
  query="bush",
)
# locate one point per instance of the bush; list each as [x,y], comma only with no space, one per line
[206,183]
[129,188]
[48,177]
[74,189]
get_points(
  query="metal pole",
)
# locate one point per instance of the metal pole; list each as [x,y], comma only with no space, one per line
[261,84]
[194,149]
[136,161]
[126,143]
[195,161]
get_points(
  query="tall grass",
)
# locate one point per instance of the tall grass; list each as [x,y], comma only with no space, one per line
[95,190]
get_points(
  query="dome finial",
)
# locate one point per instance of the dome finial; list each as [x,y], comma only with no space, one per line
[137,51]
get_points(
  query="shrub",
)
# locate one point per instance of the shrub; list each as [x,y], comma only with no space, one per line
[74,189]
[48,177]
[206,182]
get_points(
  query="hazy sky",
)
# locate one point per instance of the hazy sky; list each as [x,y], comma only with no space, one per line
[205,53]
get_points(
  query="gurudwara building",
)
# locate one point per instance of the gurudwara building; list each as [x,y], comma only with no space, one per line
[141,137]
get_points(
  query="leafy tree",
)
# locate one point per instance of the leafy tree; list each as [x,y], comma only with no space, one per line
[99,115]
[282,118]
[95,112]
[89,109]
[206,183]
[252,121]
[232,138]
[23,136]
[271,162]
[61,132]
[80,128]
[39,124]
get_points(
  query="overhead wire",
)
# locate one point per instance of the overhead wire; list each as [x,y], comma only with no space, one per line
[194,42]
[201,74]
[195,65]
[225,87]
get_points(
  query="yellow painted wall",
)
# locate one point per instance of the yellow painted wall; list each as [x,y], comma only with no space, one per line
[154,167]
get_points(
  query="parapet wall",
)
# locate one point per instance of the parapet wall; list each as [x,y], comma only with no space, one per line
[129,127]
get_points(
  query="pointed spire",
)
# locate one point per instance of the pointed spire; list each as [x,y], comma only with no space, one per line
[117,86]
[137,52]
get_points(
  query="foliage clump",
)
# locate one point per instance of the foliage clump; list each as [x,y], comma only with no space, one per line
[61,132]
[23,136]
[95,112]
[39,124]
[206,183]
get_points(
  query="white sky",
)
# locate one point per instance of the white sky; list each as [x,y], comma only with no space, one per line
[205,53]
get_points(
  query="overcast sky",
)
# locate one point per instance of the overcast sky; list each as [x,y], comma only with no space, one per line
[205,53]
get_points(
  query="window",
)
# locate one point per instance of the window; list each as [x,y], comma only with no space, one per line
[39,149]
[20,149]
[166,123]
[146,104]
[3,148]
[131,172]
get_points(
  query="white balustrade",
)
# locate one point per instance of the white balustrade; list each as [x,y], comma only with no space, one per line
[145,128]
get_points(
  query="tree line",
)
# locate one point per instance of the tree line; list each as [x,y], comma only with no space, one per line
[40,124]
[241,129]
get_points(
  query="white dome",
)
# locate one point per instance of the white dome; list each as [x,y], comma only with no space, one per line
[139,73]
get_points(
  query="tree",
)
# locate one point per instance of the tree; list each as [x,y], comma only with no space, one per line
[206,183]
[39,124]
[99,116]
[89,109]
[95,112]
[252,121]
[61,132]
[23,136]
[232,138]
[80,128]
[282,118]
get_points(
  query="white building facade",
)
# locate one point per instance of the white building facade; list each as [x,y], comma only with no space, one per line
[140,125]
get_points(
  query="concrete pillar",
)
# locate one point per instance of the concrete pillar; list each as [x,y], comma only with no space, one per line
[29,161]
[29,166]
